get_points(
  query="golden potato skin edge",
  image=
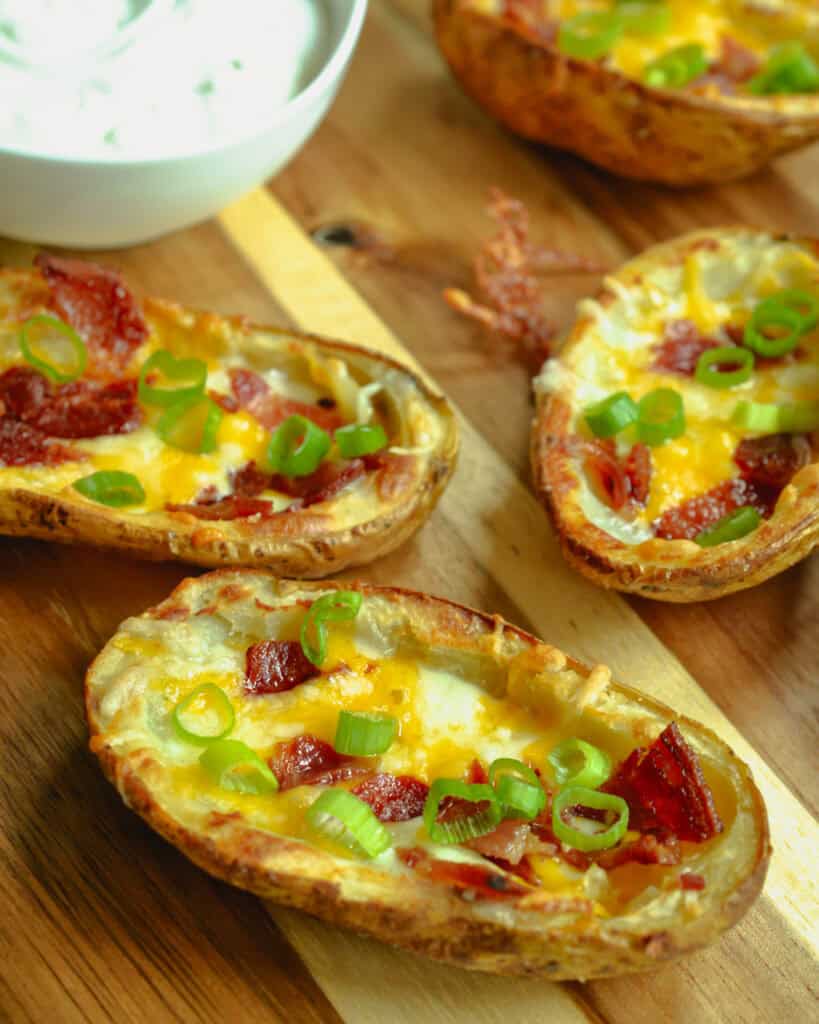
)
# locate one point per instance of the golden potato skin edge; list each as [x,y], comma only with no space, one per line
[425,920]
[696,574]
[663,136]
[307,554]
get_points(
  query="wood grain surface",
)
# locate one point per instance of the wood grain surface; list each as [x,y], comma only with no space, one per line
[104,921]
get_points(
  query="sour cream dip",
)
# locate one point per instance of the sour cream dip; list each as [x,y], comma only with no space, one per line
[138,79]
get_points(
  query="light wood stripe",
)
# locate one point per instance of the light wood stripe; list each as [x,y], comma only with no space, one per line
[503,526]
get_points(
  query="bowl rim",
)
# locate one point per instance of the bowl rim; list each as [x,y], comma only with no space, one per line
[332,70]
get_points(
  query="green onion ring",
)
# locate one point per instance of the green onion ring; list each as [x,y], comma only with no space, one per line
[297,447]
[661,416]
[217,705]
[789,69]
[191,424]
[772,313]
[362,734]
[708,370]
[517,787]
[471,826]
[735,525]
[577,763]
[236,767]
[55,326]
[343,818]
[111,487]
[580,796]
[611,415]
[797,298]
[174,370]
[337,606]
[677,68]
[590,35]
[360,439]
[768,418]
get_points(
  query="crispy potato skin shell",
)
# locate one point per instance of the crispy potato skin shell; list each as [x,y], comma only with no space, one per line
[402,910]
[300,545]
[677,571]
[659,135]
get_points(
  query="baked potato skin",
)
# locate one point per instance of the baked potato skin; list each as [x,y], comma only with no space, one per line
[679,570]
[430,920]
[300,545]
[659,135]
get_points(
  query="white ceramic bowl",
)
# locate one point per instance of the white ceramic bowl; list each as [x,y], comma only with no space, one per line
[93,204]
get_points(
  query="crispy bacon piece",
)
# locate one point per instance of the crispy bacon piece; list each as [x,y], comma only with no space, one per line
[249,481]
[323,484]
[227,508]
[665,790]
[508,842]
[393,797]
[681,348]
[509,272]
[692,882]
[766,464]
[252,392]
[477,773]
[618,482]
[21,445]
[647,849]
[274,666]
[95,301]
[736,62]
[81,408]
[483,883]
[309,761]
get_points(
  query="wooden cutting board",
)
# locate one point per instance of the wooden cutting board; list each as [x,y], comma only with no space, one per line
[102,920]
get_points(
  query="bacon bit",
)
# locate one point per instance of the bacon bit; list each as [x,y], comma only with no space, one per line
[647,849]
[323,484]
[772,461]
[618,483]
[226,402]
[393,473]
[767,464]
[21,445]
[97,304]
[249,481]
[274,666]
[509,272]
[393,797]
[484,883]
[736,62]
[309,761]
[681,348]
[252,392]
[507,842]
[665,789]
[227,508]
[542,831]
[476,773]
[79,409]
[691,882]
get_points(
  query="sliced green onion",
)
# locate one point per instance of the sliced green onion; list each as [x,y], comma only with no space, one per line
[790,69]
[297,447]
[644,18]
[772,312]
[805,304]
[601,839]
[708,370]
[192,425]
[736,524]
[469,826]
[204,715]
[235,766]
[660,416]
[676,68]
[577,763]
[338,606]
[360,439]
[589,35]
[43,330]
[111,487]
[765,418]
[517,787]
[611,415]
[364,735]
[340,816]
[185,379]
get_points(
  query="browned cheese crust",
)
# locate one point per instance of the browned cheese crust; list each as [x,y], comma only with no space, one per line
[544,934]
[669,570]
[662,135]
